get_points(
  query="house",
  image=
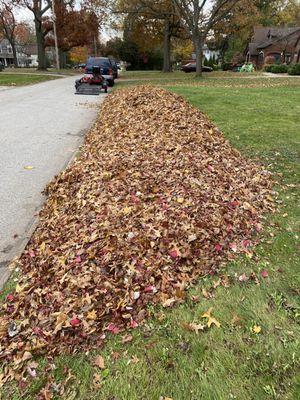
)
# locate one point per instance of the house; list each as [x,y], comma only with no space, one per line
[32,54]
[208,53]
[6,55]
[281,44]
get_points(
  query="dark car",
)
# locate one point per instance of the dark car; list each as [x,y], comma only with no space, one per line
[80,66]
[115,68]
[106,68]
[191,67]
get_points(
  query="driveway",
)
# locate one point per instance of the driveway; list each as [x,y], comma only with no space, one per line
[42,126]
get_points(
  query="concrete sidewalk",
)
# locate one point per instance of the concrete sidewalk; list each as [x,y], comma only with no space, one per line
[41,127]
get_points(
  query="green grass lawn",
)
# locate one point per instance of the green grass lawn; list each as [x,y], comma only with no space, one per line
[165,359]
[15,79]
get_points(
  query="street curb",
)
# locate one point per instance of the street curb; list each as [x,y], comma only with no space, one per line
[5,271]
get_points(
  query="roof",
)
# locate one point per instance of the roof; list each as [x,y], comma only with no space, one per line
[266,36]
[30,49]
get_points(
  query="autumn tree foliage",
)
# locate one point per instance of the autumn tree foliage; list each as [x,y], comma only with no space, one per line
[75,28]
[155,21]
[8,26]
[79,54]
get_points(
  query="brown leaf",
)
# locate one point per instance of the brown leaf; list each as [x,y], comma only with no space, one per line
[99,362]
[127,339]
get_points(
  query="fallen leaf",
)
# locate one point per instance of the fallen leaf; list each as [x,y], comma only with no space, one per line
[127,339]
[134,359]
[264,273]
[97,381]
[256,329]
[243,277]
[99,362]
[210,320]
[75,321]
[112,237]
[91,315]
[113,329]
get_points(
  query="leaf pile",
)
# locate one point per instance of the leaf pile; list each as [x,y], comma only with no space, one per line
[156,198]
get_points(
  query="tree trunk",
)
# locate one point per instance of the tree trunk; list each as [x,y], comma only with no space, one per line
[62,58]
[40,45]
[199,54]
[167,46]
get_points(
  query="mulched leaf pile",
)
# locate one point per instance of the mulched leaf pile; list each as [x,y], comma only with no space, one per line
[156,198]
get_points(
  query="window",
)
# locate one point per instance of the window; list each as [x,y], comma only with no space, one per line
[288,58]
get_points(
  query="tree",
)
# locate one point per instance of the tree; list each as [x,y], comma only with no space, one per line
[75,28]
[79,54]
[200,18]
[290,13]
[8,26]
[159,17]
[43,26]
[233,32]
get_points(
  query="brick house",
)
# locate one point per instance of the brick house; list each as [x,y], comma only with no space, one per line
[283,44]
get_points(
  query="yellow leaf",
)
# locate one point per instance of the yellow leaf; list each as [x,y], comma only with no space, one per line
[180,200]
[211,320]
[61,320]
[92,315]
[256,329]
[43,246]
[127,210]
[19,288]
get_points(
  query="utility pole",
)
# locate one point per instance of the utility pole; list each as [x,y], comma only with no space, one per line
[55,35]
[95,47]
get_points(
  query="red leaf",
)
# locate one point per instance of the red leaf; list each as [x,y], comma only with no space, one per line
[233,247]
[10,297]
[264,273]
[246,243]
[135,199]
[218,247]
[113,329]
[173,254]
[75,321]
[134,324]
[229,227]
[149,289]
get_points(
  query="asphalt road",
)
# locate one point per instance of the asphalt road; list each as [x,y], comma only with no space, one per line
[41,127]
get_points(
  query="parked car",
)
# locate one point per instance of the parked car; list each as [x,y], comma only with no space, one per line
[80,66]
[115,68]
[191,67]
[106,68]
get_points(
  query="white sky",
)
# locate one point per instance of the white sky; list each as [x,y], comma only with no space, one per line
[23,14]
